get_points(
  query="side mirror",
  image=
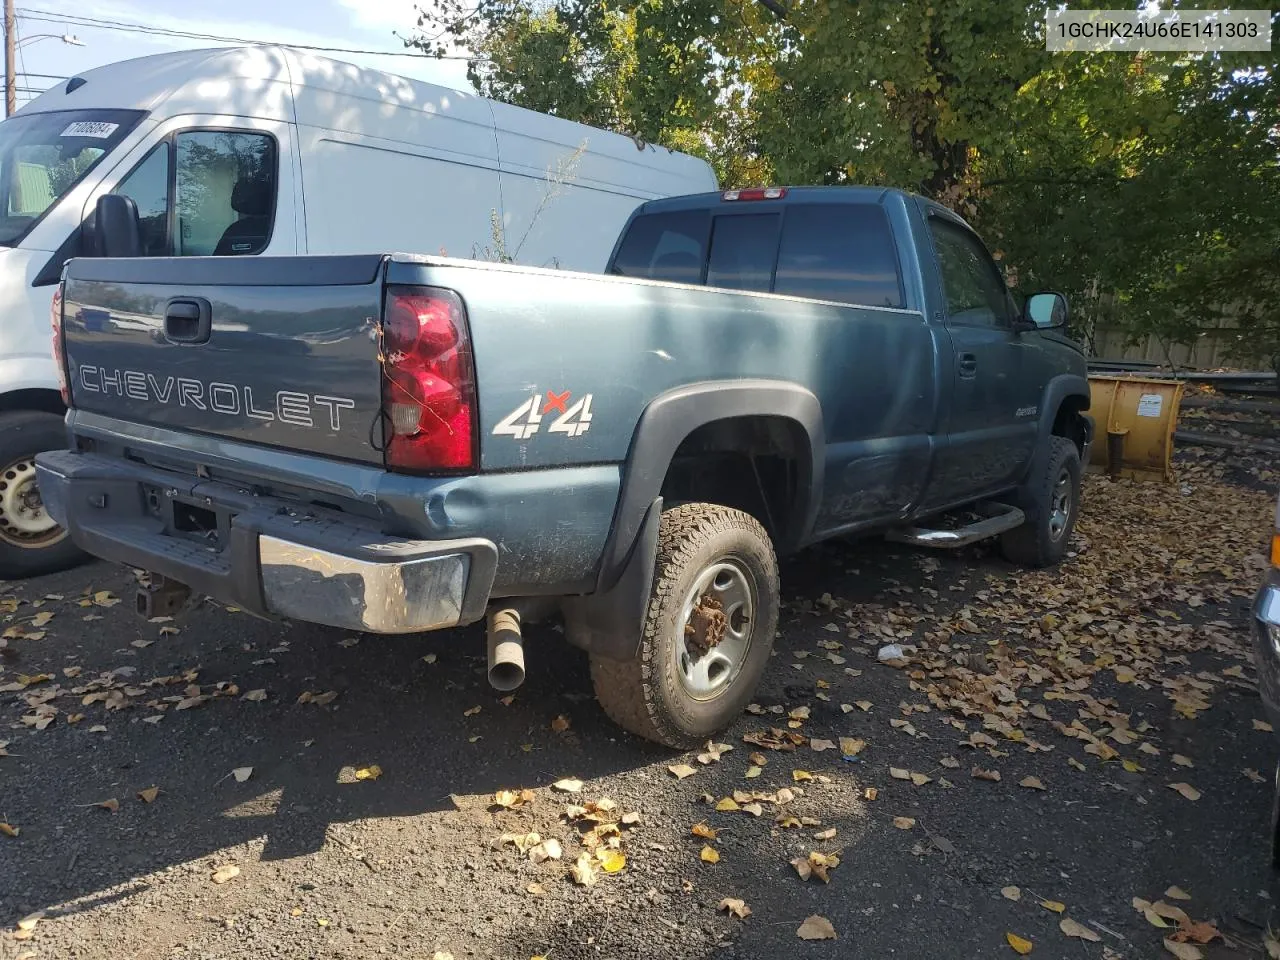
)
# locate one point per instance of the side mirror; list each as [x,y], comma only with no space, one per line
[116,227]
[1046,311]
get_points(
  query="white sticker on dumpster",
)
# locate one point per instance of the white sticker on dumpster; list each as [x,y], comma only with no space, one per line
[1150,405]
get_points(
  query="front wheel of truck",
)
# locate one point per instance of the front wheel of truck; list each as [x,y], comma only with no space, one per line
[707,632]
[31,543]
[1042,540]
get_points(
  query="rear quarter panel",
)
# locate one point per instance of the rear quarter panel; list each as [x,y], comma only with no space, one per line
[553,339]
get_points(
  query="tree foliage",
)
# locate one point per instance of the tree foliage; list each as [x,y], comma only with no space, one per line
[1146,182]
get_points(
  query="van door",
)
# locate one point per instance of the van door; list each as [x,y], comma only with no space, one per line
[211,186]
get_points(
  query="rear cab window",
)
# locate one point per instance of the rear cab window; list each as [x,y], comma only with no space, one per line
[842,252]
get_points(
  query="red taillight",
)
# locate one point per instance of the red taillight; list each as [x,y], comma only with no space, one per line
[59,355]
[755,193]
[428,384]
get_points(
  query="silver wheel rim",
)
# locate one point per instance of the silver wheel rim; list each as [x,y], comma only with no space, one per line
[715,626]
[1060,506]
[24,522]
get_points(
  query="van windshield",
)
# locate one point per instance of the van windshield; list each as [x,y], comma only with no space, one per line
[44,155]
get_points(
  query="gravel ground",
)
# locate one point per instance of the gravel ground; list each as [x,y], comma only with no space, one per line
[1088,680]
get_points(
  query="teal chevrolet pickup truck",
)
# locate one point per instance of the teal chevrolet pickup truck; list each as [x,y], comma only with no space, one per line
[396,443]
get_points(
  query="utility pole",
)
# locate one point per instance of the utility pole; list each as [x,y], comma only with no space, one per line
[10,58]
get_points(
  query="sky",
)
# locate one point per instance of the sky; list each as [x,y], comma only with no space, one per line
[359,24]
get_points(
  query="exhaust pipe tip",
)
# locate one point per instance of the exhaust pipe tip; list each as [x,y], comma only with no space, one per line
[506,650]
[506,677]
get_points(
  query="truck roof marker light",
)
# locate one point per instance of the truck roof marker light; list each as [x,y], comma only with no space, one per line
[755,193]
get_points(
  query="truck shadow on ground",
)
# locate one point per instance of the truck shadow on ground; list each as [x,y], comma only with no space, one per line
[407,704]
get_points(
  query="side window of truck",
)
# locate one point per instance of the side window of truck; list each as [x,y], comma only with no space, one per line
[975,291]
[841,252]
[208,193]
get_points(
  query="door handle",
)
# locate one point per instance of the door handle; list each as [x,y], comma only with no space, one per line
[188,320]
[968,365]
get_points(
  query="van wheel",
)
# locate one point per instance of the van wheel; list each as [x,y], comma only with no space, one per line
[1042,541]
[707,633]
[30,542]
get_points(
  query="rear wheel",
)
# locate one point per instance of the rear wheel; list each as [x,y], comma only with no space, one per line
[1042,540]
[31,543]
[707,633]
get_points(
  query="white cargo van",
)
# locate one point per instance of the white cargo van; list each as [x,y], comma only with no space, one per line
[264,150]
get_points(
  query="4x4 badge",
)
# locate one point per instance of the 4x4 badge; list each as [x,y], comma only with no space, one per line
[525,420]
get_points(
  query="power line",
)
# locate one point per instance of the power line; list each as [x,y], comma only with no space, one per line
[48,16]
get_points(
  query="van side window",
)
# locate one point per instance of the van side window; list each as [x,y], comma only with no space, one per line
[664,246]
[226,192]
[975,291]
[841,252]
[225,189]
[743,250]
[148,186]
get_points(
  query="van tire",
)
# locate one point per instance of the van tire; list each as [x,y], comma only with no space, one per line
[25,549]
[661,694]
[1042,541]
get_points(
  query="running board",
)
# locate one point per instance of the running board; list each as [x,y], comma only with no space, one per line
[1001,517]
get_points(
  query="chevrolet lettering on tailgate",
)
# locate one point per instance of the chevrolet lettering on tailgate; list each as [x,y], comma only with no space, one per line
[233,400]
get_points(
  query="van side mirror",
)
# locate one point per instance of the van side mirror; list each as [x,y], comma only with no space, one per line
[115,227]
[1046,311]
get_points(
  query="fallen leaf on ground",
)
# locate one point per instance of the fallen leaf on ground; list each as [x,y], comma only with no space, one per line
[727,805]
[799,713]
[112,804]
[752,773]
[899,773]
[1254,775]
[225,873]
[801,775]
[510,799]
[704,830]
[549,849]
[863,705]
[1182,761]
[242,773]
[1031,783]
[1073,929]
[979,774]
[735,908]
[1188,791]
[752,808]
[255,696]
[611,861]
[8,829]
[149,794]
[1201,932]
[536,889]
[816,928]
[1177,893]
[1011,893]
[709,854]
[472,712]
[919,779]
[521,841]
[682,770]
[817,746]
[560,724]
[568,785]
[951,763]
[583,870]
[1257,724]
[1054,905]
[1183,951]
[870,793]
[852,746]
[825,834]
[904,823]
[1021,945]
[371,772]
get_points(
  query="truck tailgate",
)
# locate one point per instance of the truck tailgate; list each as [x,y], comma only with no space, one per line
[278,351]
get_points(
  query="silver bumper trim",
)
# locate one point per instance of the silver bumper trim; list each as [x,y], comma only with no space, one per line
[391,596]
